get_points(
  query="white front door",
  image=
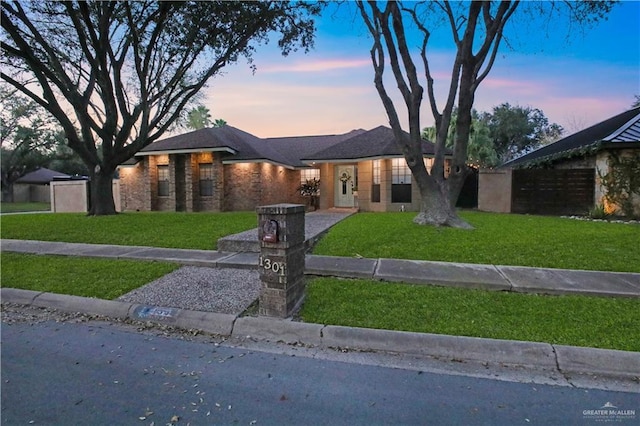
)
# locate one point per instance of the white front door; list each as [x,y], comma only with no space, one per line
[345,180]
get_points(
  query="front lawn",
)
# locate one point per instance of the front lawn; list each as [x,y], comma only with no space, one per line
[596,322]
[87,277]
[498,239]
[154,229]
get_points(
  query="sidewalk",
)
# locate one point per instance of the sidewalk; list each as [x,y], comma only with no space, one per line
[575,364]
[490,277]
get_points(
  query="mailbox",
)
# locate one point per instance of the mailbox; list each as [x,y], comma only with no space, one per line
[270,231]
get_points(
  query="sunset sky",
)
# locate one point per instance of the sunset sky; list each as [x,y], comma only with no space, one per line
[576,80]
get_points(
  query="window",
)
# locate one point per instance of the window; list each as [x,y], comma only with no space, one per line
[310,182]
[428,164]
[163,181]
[375,182]
[309,174]
[400,181]
[205,171]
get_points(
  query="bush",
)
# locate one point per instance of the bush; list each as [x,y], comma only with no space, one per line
[599,212]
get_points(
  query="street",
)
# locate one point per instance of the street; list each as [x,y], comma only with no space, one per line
[95,373]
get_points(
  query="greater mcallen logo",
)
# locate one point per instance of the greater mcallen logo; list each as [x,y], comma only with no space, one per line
[609,413]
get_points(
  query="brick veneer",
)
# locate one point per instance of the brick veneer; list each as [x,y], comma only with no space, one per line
[235,186]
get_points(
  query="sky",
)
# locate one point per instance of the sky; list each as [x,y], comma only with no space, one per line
[577,78]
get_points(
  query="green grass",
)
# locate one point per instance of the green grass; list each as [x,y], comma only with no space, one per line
[24,207]
[154,229]
[498,239]
[597,322]
[87,277]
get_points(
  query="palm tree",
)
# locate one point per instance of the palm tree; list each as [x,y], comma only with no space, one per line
[199,118]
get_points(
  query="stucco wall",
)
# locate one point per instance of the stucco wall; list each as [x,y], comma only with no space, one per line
[494,190]
[72,196]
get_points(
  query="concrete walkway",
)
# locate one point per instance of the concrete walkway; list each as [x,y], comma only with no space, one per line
[315,226]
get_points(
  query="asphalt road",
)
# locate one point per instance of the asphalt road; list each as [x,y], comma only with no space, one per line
[100,373]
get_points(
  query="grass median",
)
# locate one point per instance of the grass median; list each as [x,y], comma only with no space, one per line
[87,277]
[597,322]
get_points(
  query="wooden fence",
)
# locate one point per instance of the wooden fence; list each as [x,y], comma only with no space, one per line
[553,191]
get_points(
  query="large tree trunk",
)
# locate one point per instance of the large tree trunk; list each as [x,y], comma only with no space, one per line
[102,203]
[7,192]
[435,210]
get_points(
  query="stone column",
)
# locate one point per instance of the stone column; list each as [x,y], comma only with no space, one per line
[281,261]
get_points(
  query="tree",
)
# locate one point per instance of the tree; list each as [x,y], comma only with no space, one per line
[116,75]
[636,102]
[219,122]
[477,29]
[199,118]
[480,152]
[27,137]
[516,130]
[64,160]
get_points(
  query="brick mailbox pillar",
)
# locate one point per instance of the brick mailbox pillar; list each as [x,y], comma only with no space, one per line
[281,261]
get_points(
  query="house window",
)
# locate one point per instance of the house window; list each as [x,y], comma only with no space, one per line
[309,174]
[163,181]
[400,181]
[428,164]
[309,182]
[375,182]
[205,171]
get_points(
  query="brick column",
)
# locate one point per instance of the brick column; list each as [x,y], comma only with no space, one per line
[281,262]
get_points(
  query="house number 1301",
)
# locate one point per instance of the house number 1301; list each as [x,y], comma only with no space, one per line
[269,265]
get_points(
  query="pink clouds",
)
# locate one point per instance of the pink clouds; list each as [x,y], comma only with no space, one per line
[312,66]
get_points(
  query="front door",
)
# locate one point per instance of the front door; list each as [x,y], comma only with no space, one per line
[345,180]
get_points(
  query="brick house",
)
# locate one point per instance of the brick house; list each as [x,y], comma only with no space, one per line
[227,169]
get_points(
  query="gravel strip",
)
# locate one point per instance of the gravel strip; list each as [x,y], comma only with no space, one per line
[226,291]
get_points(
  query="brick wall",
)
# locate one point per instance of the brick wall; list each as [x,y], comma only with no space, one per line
[248,185]
[134,187]
[213,202]
[235,186]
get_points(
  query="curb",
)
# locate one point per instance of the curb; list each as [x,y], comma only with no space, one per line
[568,360]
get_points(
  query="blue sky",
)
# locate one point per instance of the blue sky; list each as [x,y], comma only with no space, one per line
[576,81]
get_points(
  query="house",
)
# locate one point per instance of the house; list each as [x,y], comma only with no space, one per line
[34,186]
[227,169]
[564,177]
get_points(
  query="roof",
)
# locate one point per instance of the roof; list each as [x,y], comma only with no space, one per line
[379,142]
[299,147]
[41,176]
[238,146]
[227,139]
[618,131]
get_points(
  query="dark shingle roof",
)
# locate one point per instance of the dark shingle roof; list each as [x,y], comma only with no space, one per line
[41,176]
[241,146]
[244,146]
[379,142]
[298,147]
[622,128]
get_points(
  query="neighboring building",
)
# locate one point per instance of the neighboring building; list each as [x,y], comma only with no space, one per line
[227,169]
[563,177]
[34,186]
